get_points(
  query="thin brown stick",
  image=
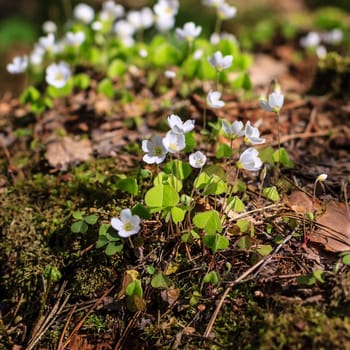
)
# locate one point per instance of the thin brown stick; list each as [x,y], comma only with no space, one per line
[305,135]
[121,340]
[71,312]
[81,322]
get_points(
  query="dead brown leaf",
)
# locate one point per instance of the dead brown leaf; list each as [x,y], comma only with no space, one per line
[64,151]
[333,225]
[334,228]
[265,69]
[170,295]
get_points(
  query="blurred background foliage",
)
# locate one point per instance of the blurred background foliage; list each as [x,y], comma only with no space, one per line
[258,22]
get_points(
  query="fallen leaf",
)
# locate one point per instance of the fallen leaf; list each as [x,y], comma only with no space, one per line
[265,69]
[64,151]
[170,295]
[333,230]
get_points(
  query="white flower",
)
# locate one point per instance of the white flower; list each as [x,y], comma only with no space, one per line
[97,26]
[84,13]
[141,19]
[321,177]
[252,134]
[127,225]
[143,53]
[274,103]
[18,65]
[225,11]
[75,39]
[49,27]
[213,3]
[333,37]
[170,74]
[36,56]
[111,11]
[197,159]
[312,39]
[213,99]
[165,8]
[47,42]
[249,160]
[155,150]
[189,31]
[197,55]
[178,126]
[321,51]
[220,62]
[174,142]
[234,129]
[123,29]
[58,74]
[215,38]
[165,11]
[147,17]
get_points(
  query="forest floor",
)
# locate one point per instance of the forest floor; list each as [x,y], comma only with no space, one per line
[296,295]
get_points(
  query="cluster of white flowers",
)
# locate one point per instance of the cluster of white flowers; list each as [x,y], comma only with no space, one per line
[316,40]
[249,159]
[165,12]
[174,141]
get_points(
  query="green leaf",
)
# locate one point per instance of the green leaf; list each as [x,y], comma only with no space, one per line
[104,229]
[91,219]
[189,67]
[211,277]
[134,288]
[116,68]
[60,92]
[209,221]
[271,193]
[129,185]
[162,196]
[265,250]
[113,248]
[308,280]
[165,55]
[266,155]
[282,156]
[79,227]
[79,215]
[106,87]
[178,214]
[141,211]
[210,184]
[159,281]
[215,170]
[102,241]
[244,243]
[205,71]
[223,151]
[29,95]
[319,274]
[346,259]
[82,81]
[235,204]
[168,179]
[190,142]
[178,168]
[216,242]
